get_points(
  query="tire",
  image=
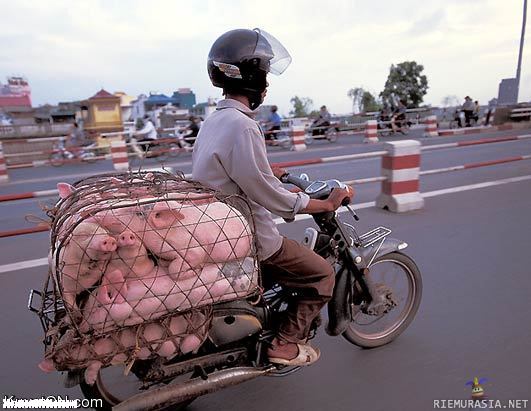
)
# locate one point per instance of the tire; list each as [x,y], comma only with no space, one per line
[331,135]
[284,141]
[407,266]
[308,139]
[57,159]
[90,157]
[99,391]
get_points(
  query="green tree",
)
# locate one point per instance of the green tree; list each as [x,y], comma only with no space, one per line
[368,102]
[301,106]
[362,100]
[406,81]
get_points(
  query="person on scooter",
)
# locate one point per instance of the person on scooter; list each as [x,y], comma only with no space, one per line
[188,134]
[399,116]
[321,123]
[75,142]
[147,134]
[230,155]
[273,124]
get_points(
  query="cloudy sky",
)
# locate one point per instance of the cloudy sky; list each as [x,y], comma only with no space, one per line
[68,49]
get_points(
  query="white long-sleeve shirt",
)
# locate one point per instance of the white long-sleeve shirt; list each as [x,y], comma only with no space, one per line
[230,155]
[148,131]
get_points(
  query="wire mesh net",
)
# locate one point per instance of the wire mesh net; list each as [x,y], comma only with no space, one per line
[136,262]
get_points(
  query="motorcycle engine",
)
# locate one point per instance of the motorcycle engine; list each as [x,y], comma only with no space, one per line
[233,321]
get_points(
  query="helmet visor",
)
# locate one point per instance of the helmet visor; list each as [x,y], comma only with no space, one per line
[269,46]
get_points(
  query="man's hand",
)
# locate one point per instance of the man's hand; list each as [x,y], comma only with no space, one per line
[337,196]
[279,171]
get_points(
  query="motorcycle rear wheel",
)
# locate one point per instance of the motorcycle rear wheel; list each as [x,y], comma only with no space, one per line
[57,159]
[357,333]
[106,389]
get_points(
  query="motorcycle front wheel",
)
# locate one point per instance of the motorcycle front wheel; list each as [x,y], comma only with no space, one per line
[397,276]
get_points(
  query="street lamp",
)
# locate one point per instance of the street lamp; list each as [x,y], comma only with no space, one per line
[518,68]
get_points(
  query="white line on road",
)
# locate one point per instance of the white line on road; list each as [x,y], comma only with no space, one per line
[23,264]
[44,261]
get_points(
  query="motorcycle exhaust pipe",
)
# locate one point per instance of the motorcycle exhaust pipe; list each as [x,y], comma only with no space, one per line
[176,393]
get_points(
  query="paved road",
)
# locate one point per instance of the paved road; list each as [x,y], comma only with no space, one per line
[472,248]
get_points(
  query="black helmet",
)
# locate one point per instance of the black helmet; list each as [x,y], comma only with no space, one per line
[239,61]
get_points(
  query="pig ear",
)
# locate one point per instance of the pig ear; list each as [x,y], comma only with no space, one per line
[164,218]
[65,189]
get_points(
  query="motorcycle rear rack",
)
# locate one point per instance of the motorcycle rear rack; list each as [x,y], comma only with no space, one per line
[48,308]
[373,236]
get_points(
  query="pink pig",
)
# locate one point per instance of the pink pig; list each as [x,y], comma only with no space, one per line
[131,257]
[82,261]
[191,235]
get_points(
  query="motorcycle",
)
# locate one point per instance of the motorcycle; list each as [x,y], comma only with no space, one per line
[279,138]
[316,132]
[159,149]
[60,154]
[367,309]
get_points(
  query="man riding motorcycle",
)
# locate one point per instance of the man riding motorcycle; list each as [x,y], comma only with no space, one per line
[320,124]
[230,155]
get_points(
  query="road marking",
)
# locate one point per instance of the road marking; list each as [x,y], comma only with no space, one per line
[474,186]
[23,265]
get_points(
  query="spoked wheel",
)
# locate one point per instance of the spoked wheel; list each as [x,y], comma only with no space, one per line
[57,159]
[112,387]
[398,280]
[90,157]
[284,140]
[331,135]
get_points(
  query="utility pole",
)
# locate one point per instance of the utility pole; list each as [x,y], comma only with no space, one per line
[518,68]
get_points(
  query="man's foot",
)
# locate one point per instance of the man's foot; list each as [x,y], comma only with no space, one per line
[291,354]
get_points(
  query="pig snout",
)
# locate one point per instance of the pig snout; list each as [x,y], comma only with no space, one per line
[127,238]
[107,244]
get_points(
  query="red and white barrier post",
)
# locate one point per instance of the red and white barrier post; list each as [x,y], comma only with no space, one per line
[371,132]
[4,178]
[431,127]
[401,166]
[119,155]
[297,134]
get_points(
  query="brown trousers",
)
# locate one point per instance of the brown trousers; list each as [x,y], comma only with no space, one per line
[297,267]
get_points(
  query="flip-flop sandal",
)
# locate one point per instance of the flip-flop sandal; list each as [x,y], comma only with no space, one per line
[307,356]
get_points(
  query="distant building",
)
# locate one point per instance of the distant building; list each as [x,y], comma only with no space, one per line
[203,110]
[157,100]
[184,98]
[16,93]
[165,117]
[102,113]
[138,108]
[125,104]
